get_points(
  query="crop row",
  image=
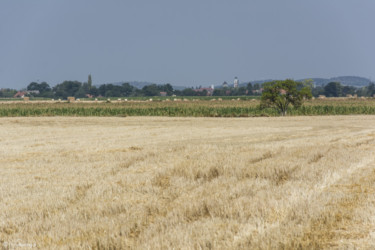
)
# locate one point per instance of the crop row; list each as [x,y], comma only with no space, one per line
[177,110]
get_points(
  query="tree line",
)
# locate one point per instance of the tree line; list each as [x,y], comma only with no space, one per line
[82,90]
[336,89]
[86,89]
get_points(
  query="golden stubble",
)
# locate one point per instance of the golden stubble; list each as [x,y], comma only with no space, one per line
[191,183]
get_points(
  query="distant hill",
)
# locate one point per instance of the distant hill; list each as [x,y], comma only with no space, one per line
[355,81]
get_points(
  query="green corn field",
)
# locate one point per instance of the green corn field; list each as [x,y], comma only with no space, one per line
[189,108]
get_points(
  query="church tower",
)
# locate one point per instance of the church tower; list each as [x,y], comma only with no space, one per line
[235,82]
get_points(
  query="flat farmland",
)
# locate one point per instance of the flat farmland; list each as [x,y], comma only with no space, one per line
[190,183]
[201,107]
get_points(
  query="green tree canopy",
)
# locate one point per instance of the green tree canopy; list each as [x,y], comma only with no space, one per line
[166,88]
[308,83]
[151,90]
[89,81]
[371,89]
[41,87]
[280,94]
[249,88]
[189,92]
[333,89]
[67,88]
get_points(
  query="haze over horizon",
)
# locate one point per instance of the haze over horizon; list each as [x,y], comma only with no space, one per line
[184,43]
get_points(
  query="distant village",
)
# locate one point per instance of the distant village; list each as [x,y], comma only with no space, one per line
[87,90]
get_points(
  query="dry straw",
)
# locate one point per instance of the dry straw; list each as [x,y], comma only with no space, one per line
[188,183]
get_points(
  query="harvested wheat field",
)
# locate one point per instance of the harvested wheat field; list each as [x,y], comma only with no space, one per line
[187,183]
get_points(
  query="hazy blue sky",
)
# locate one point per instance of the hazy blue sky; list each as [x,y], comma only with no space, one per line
[195,42]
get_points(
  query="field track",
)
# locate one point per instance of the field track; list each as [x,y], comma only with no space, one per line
[192,183]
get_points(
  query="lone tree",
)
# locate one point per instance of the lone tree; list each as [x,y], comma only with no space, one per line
[279,94]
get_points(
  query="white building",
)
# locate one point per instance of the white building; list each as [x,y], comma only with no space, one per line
[235,82]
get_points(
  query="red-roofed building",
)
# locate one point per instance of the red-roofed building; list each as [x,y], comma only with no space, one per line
[20,94]
[209,91]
